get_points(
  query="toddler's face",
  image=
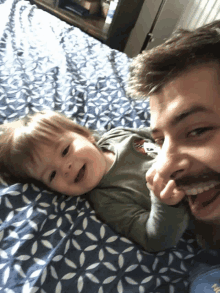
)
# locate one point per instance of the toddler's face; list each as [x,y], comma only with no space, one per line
[72,166]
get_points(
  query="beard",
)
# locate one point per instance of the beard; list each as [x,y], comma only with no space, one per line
[207,233]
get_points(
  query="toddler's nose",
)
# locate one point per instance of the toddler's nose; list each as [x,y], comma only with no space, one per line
[67,169]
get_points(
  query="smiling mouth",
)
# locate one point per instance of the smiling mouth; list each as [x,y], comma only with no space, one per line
[205,203]
[80,175]
[203,198]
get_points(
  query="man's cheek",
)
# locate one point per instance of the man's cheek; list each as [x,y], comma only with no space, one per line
[209,157]
[150,174]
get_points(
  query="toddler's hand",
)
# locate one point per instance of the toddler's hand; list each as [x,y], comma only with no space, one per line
[166,192]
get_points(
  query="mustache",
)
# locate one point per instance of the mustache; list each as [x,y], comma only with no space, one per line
[203,177]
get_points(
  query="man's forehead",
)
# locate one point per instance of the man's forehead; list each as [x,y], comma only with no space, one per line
[196,91]
[161,107]
[167,99]
[192,79]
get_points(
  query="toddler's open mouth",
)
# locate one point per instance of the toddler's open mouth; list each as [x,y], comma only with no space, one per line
[81,174]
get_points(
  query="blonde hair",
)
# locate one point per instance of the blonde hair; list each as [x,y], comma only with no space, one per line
[20,139]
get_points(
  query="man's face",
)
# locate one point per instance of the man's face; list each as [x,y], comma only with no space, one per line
[185,122]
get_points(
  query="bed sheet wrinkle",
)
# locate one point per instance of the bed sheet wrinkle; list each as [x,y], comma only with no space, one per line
[49,242]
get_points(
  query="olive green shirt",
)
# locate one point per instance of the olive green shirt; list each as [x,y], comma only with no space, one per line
[123,201]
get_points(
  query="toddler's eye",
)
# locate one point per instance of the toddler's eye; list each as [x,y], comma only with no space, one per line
[65,152]
[52,175]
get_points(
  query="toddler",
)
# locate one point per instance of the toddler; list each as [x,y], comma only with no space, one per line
[109,171]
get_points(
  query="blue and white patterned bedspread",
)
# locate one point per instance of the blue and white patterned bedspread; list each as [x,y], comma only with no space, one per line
[51,243]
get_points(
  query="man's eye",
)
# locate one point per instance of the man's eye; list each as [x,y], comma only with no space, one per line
[65,152]
[199,131]
[52,176]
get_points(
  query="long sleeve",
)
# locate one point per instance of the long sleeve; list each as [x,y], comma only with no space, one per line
[123,201]
[166,224]
[155,229]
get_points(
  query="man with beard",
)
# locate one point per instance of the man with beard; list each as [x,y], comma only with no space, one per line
[182,80]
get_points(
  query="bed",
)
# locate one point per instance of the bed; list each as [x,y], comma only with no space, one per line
[51,243]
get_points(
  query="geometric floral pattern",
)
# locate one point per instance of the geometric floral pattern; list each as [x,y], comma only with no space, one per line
[50,242]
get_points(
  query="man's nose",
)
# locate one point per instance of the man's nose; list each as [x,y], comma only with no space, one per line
[172,164]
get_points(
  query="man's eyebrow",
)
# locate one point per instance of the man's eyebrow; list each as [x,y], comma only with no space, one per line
[188,112]
[183,115]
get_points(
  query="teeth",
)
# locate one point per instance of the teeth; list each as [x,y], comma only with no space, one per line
[200,189]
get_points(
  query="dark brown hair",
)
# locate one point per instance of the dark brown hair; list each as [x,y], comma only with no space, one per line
[20,139]
[152,69]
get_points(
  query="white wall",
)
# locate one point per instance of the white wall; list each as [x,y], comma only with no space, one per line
[200,12]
